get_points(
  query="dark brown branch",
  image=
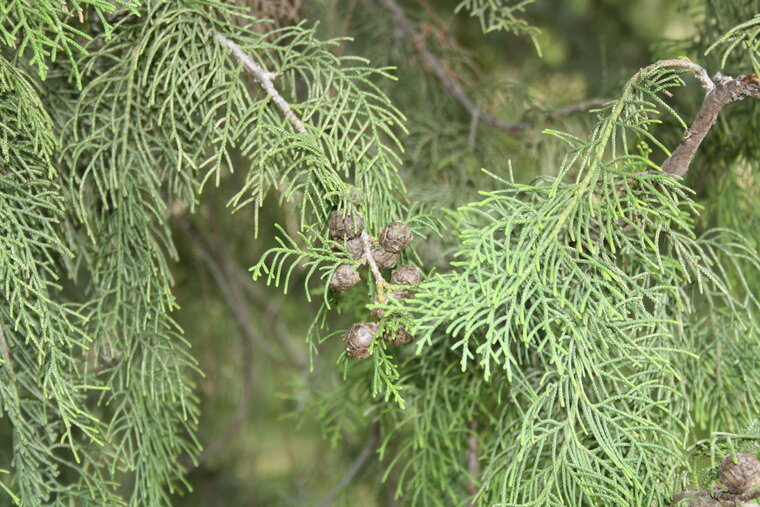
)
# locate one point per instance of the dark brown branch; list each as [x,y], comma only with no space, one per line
[406,32]
[719,94]
[264,78]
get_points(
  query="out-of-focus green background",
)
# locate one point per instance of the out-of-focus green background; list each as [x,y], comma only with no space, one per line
[261,448]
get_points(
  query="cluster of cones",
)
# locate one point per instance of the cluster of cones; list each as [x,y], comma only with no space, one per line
[347,229]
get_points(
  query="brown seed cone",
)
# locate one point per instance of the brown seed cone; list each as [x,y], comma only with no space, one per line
[385,260]
[345,225]
[344,278]
[406,275]
[402,337]
[395,236]
[742,476]
[359,338]
[354,246]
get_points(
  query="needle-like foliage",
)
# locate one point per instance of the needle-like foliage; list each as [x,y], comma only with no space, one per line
[47,28]
[590,329]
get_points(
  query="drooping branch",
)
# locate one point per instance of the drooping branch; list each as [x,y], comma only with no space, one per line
[720,92]
[264,78]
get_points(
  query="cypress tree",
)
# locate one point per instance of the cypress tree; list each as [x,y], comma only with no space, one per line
[503,311]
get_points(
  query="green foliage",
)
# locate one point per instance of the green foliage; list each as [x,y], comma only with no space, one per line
[495,15]
[47,27]
[593,302]
[588,333]
[314,249]
[162,110]
[45,405]
[745,35]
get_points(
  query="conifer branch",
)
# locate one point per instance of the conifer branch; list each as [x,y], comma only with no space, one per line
[264,78]
[406,33]
[720,93]
[699,72]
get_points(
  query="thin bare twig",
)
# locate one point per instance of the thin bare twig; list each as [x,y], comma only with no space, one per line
[405,31]
[219,265]
[699,72]
[379,280]
[264,78]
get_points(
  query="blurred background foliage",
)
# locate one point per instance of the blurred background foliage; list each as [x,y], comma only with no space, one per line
[264,444]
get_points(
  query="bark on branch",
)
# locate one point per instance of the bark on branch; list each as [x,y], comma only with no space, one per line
[724,497]
[720,92]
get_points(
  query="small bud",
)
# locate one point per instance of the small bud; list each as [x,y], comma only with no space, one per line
[406,275]
[359,338]
[385,259]
[345,225]
[742,476]
[344,278]
[395,237]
